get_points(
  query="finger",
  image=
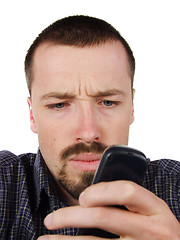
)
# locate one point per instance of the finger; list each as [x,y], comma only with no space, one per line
[67,237]
[129,194]
[111,219]
[76,216]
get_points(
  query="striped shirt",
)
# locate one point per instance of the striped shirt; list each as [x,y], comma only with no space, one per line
[28,193]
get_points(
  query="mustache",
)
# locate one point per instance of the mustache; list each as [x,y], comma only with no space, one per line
[94,147]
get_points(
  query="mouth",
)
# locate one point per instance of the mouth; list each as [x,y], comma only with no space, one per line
[85,161]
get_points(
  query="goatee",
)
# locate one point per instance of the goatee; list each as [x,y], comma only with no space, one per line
[74,185]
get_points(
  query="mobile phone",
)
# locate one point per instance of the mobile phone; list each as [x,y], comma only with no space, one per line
[118,163]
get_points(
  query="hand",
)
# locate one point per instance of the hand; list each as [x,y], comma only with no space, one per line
[148,217]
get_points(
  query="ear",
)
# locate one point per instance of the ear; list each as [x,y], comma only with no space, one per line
[32,120]
[132,115]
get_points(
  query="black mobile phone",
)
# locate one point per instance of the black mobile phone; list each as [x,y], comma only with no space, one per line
[118,163]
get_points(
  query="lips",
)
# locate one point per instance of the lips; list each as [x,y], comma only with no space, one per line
[85,161]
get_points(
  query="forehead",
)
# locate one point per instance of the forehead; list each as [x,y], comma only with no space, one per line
[65,67]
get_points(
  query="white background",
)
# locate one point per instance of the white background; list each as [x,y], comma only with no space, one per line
[152,29]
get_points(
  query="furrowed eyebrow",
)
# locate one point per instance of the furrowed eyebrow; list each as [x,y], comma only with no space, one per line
[57,95]
[111,92]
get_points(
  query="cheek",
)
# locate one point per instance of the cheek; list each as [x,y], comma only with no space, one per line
[53,136]
[50,136]
[116,130]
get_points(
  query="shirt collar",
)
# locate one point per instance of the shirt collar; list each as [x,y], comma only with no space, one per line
[45,182]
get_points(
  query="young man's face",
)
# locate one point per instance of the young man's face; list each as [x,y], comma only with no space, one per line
[81,103]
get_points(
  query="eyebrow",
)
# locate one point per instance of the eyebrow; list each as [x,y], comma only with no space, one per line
[59,95]
[111,92]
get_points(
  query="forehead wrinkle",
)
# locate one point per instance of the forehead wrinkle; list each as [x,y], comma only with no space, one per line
[101,93]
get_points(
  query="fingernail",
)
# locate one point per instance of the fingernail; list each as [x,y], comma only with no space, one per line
[82,198]
[43,238]
[48,220]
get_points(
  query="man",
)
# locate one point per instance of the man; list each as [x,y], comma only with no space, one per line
[79,73]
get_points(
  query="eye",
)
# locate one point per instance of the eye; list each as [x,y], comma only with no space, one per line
[57,105]
[109,103]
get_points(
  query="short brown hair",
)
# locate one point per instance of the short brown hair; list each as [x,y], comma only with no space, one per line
[79,31]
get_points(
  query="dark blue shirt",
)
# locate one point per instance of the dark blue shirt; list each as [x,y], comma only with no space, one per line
[28,193]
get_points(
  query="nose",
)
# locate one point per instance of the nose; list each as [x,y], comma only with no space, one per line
[87,130]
